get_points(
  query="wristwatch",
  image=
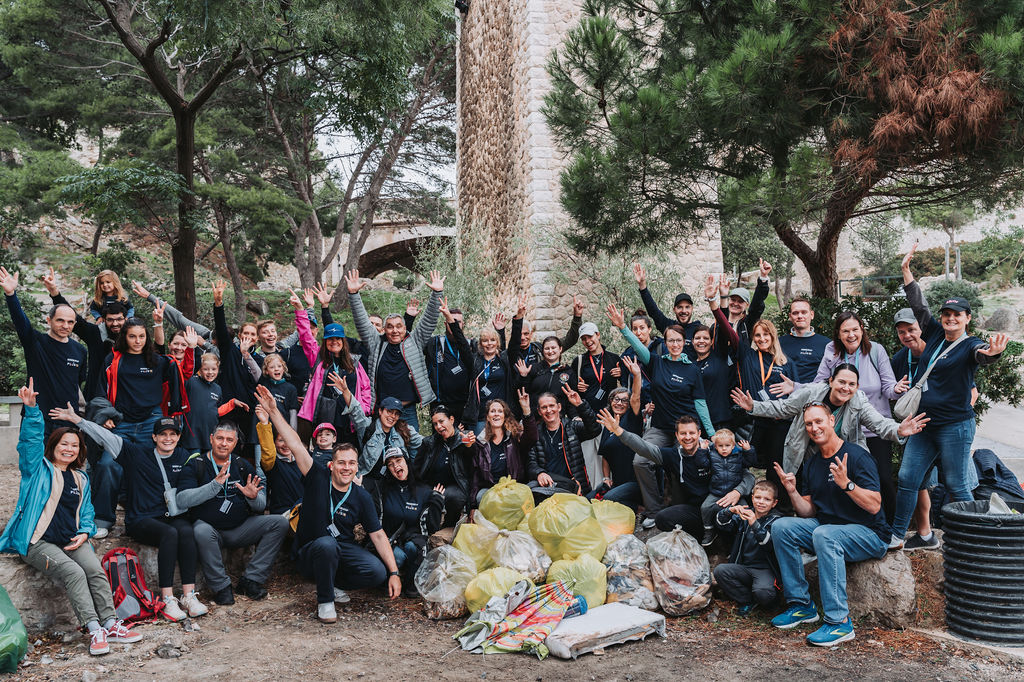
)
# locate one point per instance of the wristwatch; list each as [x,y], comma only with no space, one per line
[391,573]
[850,485]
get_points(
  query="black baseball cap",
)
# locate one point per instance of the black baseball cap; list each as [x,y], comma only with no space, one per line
[683,297]
[956,304]
[164,423]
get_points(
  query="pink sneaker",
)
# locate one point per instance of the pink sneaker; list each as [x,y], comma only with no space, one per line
[98,644]
[119,632]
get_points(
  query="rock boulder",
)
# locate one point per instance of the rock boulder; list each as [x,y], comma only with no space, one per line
[882,591]
[1004,320]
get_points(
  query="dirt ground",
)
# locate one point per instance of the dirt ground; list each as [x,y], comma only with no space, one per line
[279,638]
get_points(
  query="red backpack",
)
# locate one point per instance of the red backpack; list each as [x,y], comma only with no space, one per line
[132,599]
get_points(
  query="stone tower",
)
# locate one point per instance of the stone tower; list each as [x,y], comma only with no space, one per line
[508,165]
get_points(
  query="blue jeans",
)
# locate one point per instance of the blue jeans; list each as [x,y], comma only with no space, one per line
[404,553]
[140,433]
[950,444]
[409,415]
[834,545]
[344,564]
[105,476]
[626,493]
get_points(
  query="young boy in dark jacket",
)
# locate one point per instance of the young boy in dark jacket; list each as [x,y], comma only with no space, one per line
[750,577]
[729,462]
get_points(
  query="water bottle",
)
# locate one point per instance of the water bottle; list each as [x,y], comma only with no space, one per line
[577,608]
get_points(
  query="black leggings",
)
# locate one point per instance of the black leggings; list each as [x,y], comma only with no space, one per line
[881,451]
[768,440]
[175,544]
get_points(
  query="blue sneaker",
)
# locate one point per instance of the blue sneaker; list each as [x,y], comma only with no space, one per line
[794,615]
[745,610]
[831,634]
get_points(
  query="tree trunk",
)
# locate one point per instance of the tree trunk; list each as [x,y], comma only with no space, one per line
[183,247]
[96,234]
[232,265]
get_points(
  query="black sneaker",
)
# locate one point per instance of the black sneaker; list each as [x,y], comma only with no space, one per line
[252,590]
[917,542]
[225,597]
[709,537]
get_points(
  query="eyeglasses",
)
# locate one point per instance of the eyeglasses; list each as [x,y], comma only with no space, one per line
[620,400]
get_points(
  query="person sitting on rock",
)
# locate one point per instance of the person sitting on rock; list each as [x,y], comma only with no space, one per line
[226,500]
[332,505]
[54,519]
[839,518]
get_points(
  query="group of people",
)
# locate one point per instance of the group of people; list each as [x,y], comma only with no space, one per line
[220,438]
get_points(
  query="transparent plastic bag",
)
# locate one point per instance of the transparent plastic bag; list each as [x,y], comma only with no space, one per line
[507,503]
[476,539]
[517,550]
[681,572]
[629,573]
[566,527]
[442,579]
[615,519]
[587,575]
[494,582]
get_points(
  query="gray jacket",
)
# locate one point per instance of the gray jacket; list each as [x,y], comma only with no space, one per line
[857,413]
[412,346]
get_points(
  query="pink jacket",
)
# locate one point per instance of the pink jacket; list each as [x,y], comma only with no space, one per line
[316,382]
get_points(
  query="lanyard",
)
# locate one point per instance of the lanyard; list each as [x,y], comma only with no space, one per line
[216,472]
[765,377]
[334,509]
[452,351]
[856,360]
[600,363]
[938,352]
[910,366]
[839,419]
[487,369]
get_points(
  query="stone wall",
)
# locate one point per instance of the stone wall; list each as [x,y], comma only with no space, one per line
[508,165]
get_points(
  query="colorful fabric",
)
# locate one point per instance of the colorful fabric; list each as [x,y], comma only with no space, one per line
[529,624]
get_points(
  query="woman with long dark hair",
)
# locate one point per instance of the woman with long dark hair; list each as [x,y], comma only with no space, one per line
[53,521]
[140,383]
[504,447]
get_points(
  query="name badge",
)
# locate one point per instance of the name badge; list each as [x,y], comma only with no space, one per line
[924,386]
[599,395]
[763,395]
[456,369]
[225,507]
[485,391]
[333,530]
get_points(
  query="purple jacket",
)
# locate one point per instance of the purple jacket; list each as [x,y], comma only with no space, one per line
[515,455]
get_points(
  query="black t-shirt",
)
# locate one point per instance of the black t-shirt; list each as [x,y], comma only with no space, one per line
[284,486]
[499,463]
[143,481]
[717,375]
[204,398]
[946,395]
[393,378]
[229,507]
[555,445]
[64,524]
[491,384]
[619,456]
[140,388]
[805,352]
[440,471]
[596,372]
[319,498]
[403,503]
[834,505]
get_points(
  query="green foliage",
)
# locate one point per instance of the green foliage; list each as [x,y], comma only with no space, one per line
[944,289]
[12,357]
[469,283]
[119,257]
[878,242]
[997,256]
[1001,382]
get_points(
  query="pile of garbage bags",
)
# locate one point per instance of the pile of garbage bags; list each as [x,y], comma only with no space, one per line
[589,546]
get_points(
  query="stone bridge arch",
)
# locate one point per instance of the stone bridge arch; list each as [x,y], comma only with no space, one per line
[391,244]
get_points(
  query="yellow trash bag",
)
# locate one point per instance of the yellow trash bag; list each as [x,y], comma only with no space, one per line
[524,525]
[476,539]
[589,574]
[507,503]
[494,582]
[566,527]
[615,519]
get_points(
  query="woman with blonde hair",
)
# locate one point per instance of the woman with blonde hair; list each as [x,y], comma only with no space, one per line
[759,366]
[490,379]
[107,289]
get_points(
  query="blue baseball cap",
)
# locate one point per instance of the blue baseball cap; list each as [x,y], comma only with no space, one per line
[391,404]
[334,331]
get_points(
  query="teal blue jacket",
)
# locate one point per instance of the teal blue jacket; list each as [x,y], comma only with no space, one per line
[37,477]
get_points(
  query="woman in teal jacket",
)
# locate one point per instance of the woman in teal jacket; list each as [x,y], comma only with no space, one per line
[53,521]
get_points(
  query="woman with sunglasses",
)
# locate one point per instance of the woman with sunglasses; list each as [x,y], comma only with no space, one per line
[624,406]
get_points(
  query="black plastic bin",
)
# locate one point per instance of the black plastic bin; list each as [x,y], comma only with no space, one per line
[984,571]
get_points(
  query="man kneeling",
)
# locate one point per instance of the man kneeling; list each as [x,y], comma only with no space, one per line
[841,521]
[332,505]
[226,501]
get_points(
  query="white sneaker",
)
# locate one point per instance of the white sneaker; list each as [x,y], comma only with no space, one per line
[101,533]
[192,604]
[647,523]
[326,612]
[172,610]
[341,596]
[895,543]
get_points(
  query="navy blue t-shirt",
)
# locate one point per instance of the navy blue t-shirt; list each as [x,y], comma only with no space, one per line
[753,364]
[64,525]
[450,370]
[393,378]
[947,398]
[140,387]
[619,456]
[675,385]
[284,486]
[833,504]
[499,459]
[143,480]
[198,471]
[491,384]
[402,503]
[204,398]
[319,497]
[804,353]
[555,444]
[717,375]
[590,370]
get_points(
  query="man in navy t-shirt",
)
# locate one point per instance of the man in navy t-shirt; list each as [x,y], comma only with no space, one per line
[332,506]
[802,345]
[839,518]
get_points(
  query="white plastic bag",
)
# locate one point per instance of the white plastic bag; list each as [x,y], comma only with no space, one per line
[517,550]
[442,579]
[629,573]
[681,572]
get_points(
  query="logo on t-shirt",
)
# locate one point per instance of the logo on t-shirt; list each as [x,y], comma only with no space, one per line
[73,362]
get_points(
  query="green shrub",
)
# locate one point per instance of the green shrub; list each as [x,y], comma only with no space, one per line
[945,289]
[12,357]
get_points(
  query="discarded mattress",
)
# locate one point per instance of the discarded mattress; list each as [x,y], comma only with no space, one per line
[601,627]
